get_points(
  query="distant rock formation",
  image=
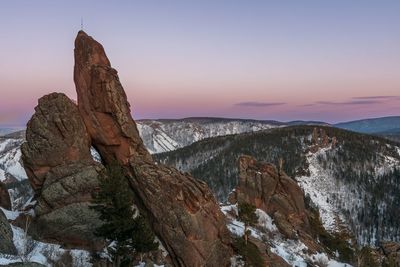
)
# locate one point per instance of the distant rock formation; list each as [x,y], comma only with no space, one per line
[387,254]
[391,253]
[5,201]
[320,139]
[6,236]
[262,185]
[183,212]
[61,170]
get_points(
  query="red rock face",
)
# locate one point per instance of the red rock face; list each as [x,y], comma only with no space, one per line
[182,210]
[55,136]
[103,104]
[4,197]
[262,185]
[59,166]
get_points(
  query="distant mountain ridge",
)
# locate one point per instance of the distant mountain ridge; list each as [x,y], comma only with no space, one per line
[163,135]
[372,125]
[7,130]
[168,135]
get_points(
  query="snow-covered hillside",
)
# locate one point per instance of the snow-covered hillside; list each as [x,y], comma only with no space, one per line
[344,203]
[354,179]
[292,251]
[10,160]
[320,186]
[167,135]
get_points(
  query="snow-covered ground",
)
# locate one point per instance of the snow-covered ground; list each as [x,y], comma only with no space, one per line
[341,202]
[320,186]
[34,251]
[292,251]
[163,136]
[10,159]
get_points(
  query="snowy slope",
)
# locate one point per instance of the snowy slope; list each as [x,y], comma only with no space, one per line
[320,186]
[294,252]
[341,201]
[10,160]
[167,135]
[30,250]
[355,184]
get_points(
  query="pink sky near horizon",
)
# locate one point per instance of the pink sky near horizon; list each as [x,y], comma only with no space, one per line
[328,63]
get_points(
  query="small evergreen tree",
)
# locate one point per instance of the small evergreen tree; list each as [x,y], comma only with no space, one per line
[143,242]
[247,214]
[127,232]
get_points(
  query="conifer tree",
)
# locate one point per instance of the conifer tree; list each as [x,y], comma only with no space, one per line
[247,214]
[126,232]
[143,238]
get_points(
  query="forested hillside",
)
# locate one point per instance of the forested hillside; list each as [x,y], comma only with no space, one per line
[352,177]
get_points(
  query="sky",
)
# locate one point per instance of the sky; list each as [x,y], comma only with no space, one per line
[284,60]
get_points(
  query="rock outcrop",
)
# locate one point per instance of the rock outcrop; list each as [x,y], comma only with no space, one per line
[6,236]
[55,136]
[62,172]
[386,254]
[262,185]
[391,253]
[182,210]
[5,201]
[320,139]
[270,259]
[103,104]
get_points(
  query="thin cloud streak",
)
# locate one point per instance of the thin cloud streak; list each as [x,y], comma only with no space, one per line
[357,101]
[308,105]
[382,97]
[259,104]
[349,103]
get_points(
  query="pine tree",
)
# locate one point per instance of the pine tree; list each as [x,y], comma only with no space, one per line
[127,232]
[143,239]
[247,214]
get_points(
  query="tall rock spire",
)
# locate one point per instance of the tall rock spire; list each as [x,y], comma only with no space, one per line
[103,103]
[182,210]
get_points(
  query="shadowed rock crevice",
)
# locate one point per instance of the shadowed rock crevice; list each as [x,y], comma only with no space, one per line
[5,201]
